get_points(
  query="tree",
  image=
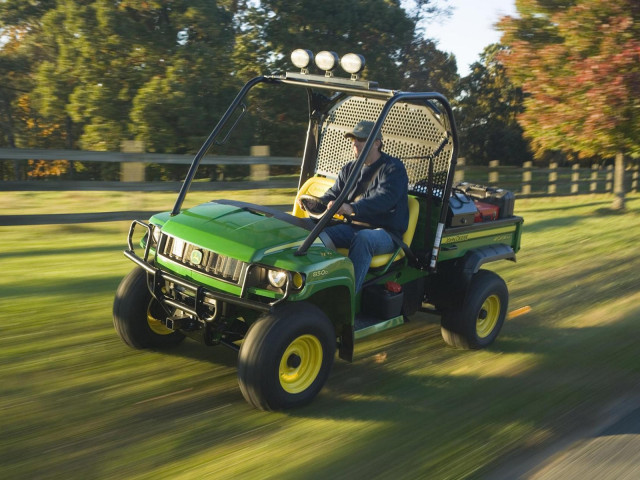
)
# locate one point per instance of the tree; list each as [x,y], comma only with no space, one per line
[487,109]
[578,62]
[93,66]
[429,69]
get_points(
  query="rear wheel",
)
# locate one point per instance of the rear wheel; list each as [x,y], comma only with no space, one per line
[286,357]
[136,315]
[476,323]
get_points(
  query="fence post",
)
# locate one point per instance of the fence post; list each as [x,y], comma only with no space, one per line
[132,171]
[575,178]
[459,175]
[494,176]
[526,178]
[260,172]
[553,178]
[608,187]
[634,179]
[593,187]
[618,183]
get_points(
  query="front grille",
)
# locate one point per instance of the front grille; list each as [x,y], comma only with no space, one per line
[201,260]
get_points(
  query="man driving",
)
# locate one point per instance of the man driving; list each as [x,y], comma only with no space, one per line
[376,205]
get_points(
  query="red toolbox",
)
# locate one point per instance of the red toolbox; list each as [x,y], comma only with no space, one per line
[486,212]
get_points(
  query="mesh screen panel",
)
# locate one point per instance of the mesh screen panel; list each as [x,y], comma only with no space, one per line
[410,132]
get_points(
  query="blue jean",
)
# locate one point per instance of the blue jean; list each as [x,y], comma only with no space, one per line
[363,244]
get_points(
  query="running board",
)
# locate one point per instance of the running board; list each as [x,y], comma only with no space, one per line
[365,326]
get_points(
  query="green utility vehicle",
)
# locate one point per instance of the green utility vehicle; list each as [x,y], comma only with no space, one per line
[261,280]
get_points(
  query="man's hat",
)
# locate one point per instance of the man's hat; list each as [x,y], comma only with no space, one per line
[362,131]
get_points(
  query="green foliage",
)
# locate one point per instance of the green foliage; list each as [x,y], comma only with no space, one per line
[429,69]
[91,59]
[487,114]
[578,63]
[91,73]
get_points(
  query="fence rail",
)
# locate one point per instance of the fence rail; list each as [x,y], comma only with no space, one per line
[527,180]
[127,157]
[530,180]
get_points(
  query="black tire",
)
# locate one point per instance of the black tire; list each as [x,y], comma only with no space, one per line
[135,314]
[476,323]
[286,357]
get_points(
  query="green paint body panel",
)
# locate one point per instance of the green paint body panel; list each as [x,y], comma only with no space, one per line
[456,242]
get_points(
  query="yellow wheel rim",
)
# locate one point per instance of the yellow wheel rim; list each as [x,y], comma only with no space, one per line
[300,364]
[156,325]
[488,316]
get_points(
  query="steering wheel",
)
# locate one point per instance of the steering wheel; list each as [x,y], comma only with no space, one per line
[314,206]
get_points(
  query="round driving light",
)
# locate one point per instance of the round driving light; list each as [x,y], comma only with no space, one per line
[352,63]
[327,61]
[277,278]
[301,58]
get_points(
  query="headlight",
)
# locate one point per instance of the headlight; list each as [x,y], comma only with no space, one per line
[277,278]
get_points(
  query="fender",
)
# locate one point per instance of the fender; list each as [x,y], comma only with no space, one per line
[474,259]
[450,284]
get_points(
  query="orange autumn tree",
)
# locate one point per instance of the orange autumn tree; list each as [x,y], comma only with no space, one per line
[40,133]
[578,63]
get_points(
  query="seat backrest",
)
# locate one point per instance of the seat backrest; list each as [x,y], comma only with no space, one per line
[407,237]
[414,210]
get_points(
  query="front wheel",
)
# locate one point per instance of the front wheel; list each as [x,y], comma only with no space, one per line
[477,322]
[286,357]
[136,315]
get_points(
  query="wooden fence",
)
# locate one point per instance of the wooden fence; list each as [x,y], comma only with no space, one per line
[528,180]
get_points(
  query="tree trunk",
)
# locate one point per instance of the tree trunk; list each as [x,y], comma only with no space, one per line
[618,183]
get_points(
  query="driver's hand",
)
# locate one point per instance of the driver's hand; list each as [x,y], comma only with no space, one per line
[346,210]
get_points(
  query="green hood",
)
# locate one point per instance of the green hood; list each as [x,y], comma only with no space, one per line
[234,231]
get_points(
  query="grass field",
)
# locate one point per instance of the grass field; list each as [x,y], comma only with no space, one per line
[77,403]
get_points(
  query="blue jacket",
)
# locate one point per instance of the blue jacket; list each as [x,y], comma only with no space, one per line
[384,202]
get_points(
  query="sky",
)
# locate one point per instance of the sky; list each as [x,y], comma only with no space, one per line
[469,29]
